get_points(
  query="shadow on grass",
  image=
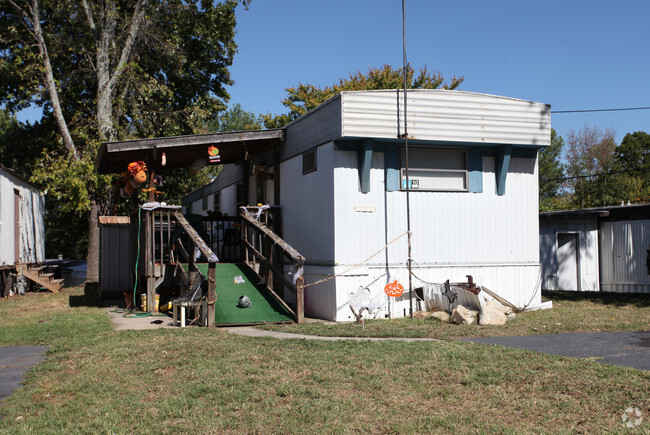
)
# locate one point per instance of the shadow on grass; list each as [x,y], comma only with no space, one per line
[639,300]
[90,298]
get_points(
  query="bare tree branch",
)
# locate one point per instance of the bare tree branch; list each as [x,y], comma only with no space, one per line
[91,21]
[48,75]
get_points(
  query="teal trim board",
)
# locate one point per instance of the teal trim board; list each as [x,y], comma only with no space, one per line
[391,168]
[502,161]
[475,166]
[365,163]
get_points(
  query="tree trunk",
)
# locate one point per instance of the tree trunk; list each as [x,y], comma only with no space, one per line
[92,266]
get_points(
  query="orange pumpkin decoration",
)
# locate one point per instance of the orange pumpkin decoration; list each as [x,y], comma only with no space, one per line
[137,171]
[140,177]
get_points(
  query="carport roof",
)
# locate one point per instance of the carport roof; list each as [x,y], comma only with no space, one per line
[182,151]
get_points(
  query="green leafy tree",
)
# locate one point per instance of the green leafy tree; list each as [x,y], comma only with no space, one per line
[551,172]
[304,97]
[632,161]
[238,119]
[590,159]
[111,70]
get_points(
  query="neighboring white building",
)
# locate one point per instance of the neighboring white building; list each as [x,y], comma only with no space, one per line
[22,208]
[339,177]
[600,249]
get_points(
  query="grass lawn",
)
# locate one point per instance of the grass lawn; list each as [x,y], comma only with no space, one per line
[203,380]
[572,312]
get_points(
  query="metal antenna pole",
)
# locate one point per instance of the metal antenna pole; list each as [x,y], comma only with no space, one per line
[406,152]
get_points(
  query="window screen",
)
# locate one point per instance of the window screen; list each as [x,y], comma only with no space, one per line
[435,169]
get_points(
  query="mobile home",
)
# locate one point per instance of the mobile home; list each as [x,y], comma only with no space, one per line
[339,175]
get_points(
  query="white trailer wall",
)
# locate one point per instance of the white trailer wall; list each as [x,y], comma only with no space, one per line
[308,223]
[30,214]
[493,238]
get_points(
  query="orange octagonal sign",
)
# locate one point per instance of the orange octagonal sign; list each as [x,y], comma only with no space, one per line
[394,289]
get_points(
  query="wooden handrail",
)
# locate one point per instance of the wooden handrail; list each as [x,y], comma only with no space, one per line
[267,241]
[196,239]
[289,251]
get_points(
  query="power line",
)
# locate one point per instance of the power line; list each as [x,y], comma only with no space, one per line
[601,110]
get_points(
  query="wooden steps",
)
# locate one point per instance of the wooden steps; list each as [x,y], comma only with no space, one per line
[38,275]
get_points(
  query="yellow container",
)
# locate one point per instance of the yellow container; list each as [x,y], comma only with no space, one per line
[144,301]
[157,302]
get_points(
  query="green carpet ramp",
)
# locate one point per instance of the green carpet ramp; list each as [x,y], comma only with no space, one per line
[264,307]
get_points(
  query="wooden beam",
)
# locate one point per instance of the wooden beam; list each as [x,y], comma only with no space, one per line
[196,239]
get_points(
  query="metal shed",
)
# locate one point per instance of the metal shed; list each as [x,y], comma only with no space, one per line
[115,256]
[600,249]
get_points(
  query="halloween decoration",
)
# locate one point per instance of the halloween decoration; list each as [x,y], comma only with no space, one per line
[137,170]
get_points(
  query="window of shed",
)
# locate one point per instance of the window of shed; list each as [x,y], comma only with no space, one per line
[435,169]
[309,161]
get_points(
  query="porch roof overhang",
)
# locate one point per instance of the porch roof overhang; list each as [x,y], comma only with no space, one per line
[182,151]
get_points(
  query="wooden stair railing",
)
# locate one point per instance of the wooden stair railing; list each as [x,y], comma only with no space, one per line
[163,245]
[260,243]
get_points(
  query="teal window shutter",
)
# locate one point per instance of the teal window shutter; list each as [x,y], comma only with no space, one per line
[502,161]
[365,162]
[391,168]
[475,166]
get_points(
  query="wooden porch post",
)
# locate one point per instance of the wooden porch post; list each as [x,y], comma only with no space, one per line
[212,294]
[300,300]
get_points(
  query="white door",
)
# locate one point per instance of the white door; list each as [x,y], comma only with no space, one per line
[567,258]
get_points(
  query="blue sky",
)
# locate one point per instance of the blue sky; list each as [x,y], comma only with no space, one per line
[572,54]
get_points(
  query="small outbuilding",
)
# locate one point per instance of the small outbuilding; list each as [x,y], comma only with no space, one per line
[22,208]
[22,231]
[597,249]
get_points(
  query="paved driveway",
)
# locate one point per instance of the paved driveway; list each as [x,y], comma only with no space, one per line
[629,349]
[14,362]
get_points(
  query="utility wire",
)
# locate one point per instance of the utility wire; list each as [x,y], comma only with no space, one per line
[601,110]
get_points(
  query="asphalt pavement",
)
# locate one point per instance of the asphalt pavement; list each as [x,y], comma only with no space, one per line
[628,349]
[14,362]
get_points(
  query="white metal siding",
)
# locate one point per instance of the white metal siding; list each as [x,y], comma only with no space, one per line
[307,206]
[32,229]
[447,227]
[623,251]
[587,232]
[494,238]
[506,280]
[442,115]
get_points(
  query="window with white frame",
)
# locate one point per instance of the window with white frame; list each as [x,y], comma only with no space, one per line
[435,169]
